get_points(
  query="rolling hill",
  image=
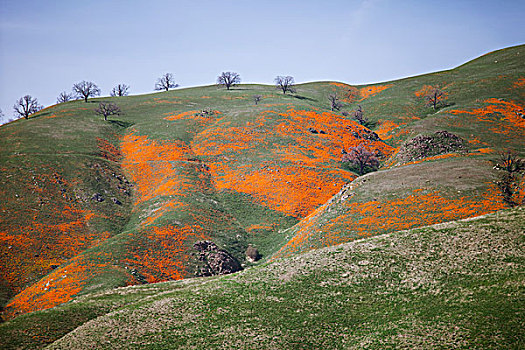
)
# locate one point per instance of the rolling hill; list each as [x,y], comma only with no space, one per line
[90,205]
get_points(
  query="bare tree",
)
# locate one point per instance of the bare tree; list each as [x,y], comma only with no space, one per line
[120,90]
[228,79]
[335,103]
[435,98]
[285,83]
[86,89]
[511,169]
[107,108]
[64,97]
[256,99]
[362,158]
[26,106]
[166,82]
[359,115]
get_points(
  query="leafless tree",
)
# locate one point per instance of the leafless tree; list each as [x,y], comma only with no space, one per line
[256,98]
[435,98]
[285,83]
[359,115]
[107,108]
[335,103]
[228,79]
[362,158]
[26,106]
[86,89]
[511,169]
[166,82]
[64,97]
[120,90]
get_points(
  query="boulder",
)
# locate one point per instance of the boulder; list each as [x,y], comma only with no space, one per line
[215,261]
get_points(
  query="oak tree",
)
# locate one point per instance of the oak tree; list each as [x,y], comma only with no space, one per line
[86,89]
[228,79]
[166,82]
[107,108]
[120,90]
[64,97]
[26,106]
[285,83]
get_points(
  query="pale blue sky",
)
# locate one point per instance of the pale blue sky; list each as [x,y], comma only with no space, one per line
[47,46]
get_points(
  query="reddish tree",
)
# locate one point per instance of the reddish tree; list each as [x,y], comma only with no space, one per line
[361,158]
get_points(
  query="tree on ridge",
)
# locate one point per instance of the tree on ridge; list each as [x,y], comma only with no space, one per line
[166,82]
[26,106]
[285,83]
[64,97]
[120,90]
[86,89]
[228,79]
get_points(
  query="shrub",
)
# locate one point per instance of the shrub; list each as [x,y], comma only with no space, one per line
[252,254]
[424,146]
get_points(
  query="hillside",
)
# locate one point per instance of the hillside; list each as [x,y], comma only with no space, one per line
[90,205]
[456,285]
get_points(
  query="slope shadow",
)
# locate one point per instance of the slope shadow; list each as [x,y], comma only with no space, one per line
[121,123]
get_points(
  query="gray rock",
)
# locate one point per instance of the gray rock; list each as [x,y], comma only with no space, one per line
[97,197]
[215,261]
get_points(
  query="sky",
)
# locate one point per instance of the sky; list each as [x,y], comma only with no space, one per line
[46,46]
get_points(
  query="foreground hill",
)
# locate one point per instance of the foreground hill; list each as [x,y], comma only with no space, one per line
[91,205]
[455,285]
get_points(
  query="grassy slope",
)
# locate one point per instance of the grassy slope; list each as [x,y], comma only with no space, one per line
[485,97]
[454,285]
[237,176]
[50,169]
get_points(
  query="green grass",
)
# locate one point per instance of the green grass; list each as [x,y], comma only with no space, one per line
[455,285]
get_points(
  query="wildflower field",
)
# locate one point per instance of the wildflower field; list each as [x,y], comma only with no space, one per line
[89,206]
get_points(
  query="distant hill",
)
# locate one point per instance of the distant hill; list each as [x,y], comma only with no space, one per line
[90,205]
